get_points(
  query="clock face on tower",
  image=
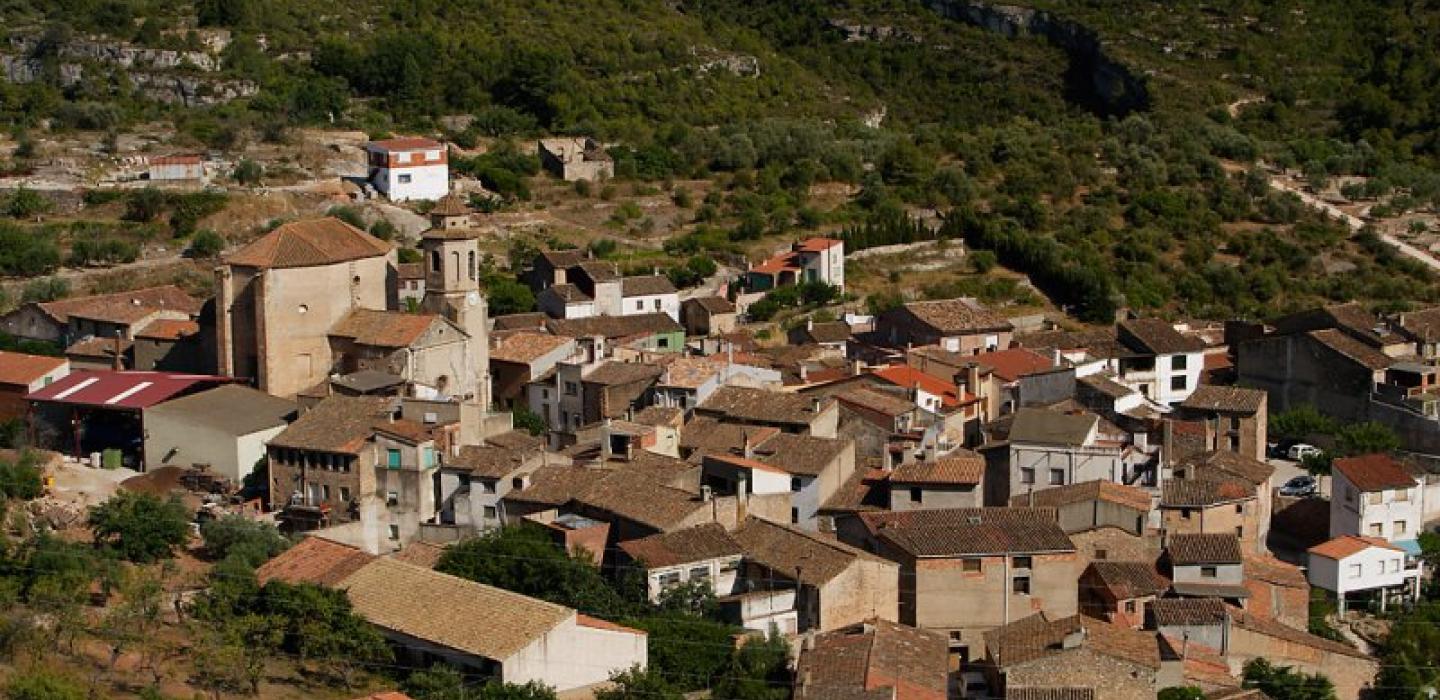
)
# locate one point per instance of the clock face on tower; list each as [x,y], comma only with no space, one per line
[472,298]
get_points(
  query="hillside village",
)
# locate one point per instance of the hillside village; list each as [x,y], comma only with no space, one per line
[936,500]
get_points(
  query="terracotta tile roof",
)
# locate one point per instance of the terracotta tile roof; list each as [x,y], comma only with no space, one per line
[1349,347]
[1201,493]
[1049,694]
[1223,465]
[95,347]
[568,293]
[658,416]
[420,554]
[1098,490]
[563,259]
[425,605]
[1188,612]
[1258,567]
[338,424]
[1230,399]
[858,493]
[121,306]
[883,402]
[1271,628]
[410,271]
[957,316]
[21,369]
[489,461]
[640,490]
[524,347]
[384,329]
[516,440]
[309,243]
[815,245]
[1192,548]
[314,560]
[613,373]
[910,378]
[646,285]
[871,656]
[783,549]
[532,321]
[1374,472]
[803,455]
[1130,579]
[1011,364]
[405,429]
[1423,324]
[405,143]
[959,467]
[690,372]
[711,436]
[759,406]
[597,270]
[557,485]
[1158,337]
[184,159]
[1106,386]
[450,205]
[952,532]
[693,544]
[1037,637]
[1349,545]
[615,326]
[828,332]
[1045,427]
[1237,694]
[168,329]
[714,305]
[598,624]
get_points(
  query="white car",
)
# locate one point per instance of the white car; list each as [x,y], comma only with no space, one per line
[973,686]
[1299,451]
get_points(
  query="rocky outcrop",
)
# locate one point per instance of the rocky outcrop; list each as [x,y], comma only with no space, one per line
[123,55]
[161,74]
[1107,84]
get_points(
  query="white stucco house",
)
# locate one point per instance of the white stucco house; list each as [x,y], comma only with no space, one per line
[1351,567]
[408,168]
[1375,496]
[702,553]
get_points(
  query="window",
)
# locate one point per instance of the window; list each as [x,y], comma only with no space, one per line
[517,483]
[795,484]
[794,516]
[394,532]
[1377,529]
[429,457]
[1178,383]
[1402,495]
[1349,495]
[1184,513]
[487,486]
[1354,571]
[1027,476]
[1398,528]
[392,498]
[1022,562]
[1102,554]
[668,579]
[472,264]
[1178,363]
[1130,607]
[1057,477]
[971,565]
[1020,585]
[434,261]
[699,573]
[917,494]
[325,492]
[572,388]
[392,458]
[1394,566]
[1208,572]
[1375,498]
[344,493]
[663,343]
[1239,508]
[404,179]
[1239,530]
[490,512]
[639,304]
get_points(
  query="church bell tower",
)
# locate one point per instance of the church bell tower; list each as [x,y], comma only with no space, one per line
[452,282]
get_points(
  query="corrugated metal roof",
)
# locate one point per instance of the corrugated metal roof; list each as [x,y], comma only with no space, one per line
[108,389]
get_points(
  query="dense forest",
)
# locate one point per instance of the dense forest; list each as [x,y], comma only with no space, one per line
[1165,207]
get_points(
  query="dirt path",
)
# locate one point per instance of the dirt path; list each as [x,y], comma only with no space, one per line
[1354,222]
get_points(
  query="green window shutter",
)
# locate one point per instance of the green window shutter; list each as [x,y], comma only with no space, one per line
[392,458]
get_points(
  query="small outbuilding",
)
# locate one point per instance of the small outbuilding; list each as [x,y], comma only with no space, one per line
[224,428]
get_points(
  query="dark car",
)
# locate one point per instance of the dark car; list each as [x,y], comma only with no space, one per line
[1300,487]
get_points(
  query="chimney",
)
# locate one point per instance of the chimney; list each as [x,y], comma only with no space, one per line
[118,363]
[972,378]
[804,372]
[1074,639]
[747,449]
[706,493]
[809,324]
[605,448]
[809,642]
[855,368]
[815,404]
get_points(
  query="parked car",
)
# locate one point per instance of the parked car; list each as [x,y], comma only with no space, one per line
[1302,486]
[973,686]
[1300,451]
